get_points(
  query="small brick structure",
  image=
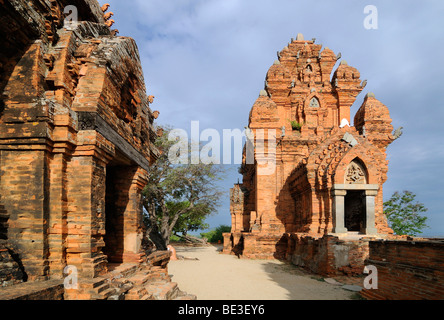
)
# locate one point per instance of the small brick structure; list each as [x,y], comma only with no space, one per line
[407,270]
[312,192]
[76,143]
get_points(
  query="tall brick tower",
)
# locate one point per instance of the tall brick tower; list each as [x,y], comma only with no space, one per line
[76,140]
[329,175]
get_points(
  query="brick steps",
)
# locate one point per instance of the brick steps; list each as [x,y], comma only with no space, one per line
[96,289]
[163,291]
[136,293]
[154,284]
[132,281]
[104,294]
[139,279]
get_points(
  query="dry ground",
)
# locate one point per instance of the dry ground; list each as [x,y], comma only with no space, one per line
[216,276]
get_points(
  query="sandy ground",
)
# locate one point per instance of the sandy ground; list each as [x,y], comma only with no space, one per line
[216,276]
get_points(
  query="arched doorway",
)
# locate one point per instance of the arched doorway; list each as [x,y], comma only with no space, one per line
[354,201]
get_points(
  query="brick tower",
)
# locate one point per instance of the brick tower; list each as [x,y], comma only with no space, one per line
[76,141]
[328,177]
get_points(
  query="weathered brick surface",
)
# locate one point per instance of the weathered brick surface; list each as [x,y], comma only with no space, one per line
[407,270]
[317,163]
[11,272]
[328,255]
[76,141]
[39,290]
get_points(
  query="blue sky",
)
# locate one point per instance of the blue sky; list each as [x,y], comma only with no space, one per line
[206,60]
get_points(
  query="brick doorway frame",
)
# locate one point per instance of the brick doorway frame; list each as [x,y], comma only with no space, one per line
[124,228]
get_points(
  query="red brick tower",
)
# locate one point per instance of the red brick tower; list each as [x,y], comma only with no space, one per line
[76,140]
[328,175]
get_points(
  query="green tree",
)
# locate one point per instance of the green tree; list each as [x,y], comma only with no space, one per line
[178,195]
[404,215]
[216,235]
[192,220]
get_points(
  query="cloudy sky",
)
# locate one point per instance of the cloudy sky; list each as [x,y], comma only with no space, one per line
[206,61]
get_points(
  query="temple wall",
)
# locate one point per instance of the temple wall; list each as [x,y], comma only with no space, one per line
[76,143]
[407,270]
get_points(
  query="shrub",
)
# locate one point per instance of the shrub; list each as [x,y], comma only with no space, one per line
[216,235]
[296,125]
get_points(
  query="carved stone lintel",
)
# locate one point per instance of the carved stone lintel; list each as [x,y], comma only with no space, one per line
[355,174]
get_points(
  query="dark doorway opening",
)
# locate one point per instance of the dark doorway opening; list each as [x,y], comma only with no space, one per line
[4,217]
[355,211]
[113,219]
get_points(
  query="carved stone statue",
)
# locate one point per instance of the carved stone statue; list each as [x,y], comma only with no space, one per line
[314,103]
[398,133]
[355,174]
[105,7]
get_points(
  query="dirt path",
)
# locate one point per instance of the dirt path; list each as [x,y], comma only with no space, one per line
[216,276]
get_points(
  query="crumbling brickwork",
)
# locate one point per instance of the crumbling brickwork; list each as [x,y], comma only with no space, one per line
[407,270]
[328,256]
[328,176]
[76,142]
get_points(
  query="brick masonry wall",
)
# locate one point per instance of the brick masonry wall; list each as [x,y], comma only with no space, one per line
[37,291]
[70,100]
[10,271]
[407,270]
[24,194]
[327,256]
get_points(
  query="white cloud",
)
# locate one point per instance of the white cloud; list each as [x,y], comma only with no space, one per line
[207,60]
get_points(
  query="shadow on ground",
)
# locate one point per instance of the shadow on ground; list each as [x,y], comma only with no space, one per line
[302,285]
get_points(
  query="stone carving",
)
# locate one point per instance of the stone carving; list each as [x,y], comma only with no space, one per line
[398,133]
[108,16]
[348,137]
[237,196]
[364,84]
[355,174]
[257,222]
[314,103]
[109,23]
[105,7]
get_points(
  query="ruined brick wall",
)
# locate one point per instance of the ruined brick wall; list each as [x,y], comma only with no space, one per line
[11,273]
[37,291]
[327,256]
[407,270]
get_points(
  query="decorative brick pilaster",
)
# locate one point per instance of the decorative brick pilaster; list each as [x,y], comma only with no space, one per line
[86,204]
